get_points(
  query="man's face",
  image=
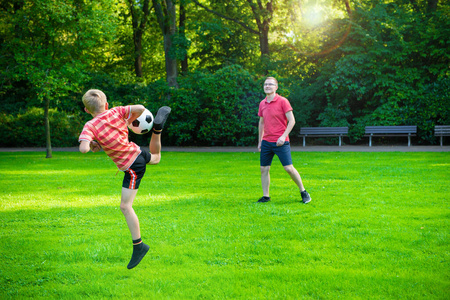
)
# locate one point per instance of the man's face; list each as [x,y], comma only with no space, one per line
[270,86]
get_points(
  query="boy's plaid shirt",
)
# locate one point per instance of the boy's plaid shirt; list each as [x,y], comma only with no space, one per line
[110,130]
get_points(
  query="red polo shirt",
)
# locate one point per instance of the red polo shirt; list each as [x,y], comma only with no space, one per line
[110,130]
[274,114]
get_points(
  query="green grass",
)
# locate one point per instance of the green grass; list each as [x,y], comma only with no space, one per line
[377,228]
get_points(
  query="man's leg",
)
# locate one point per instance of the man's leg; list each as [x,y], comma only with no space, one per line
[265,180]
[306,198]
[265,160]
[295,176]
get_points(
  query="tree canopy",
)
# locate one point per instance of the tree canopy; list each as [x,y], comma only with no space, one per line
[340,62]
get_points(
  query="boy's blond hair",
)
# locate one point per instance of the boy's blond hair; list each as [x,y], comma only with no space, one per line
[94,101]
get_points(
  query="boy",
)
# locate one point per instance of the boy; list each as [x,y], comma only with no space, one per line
[108,130]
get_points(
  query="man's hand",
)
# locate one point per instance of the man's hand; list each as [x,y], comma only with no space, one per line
[281,140]
[95,147]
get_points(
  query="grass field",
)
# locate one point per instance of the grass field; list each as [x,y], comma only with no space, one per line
[377,228]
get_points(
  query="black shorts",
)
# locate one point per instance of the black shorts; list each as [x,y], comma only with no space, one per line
[136,171]
[268,150]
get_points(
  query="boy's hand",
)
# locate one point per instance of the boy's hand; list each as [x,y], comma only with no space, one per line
[95,147]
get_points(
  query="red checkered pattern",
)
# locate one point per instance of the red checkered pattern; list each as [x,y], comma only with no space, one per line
[110,130]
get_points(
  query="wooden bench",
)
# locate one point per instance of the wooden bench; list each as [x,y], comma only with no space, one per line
[323,132]
[408,131]
[442,130]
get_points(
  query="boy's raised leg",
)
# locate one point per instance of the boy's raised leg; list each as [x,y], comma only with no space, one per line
[161,118]
[155,148]
[155,141]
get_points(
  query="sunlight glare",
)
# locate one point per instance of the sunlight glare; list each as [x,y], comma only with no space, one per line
[314,15]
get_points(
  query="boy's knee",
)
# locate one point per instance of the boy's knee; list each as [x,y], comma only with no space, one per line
[125,208]
[155,159]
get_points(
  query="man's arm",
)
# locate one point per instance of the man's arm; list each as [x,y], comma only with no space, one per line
[260,132]
[289,127]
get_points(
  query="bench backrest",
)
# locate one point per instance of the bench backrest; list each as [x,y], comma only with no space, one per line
[442,130]
[324,130]
[391,129]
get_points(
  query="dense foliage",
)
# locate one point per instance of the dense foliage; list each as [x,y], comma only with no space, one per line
[27,129]
[372,62]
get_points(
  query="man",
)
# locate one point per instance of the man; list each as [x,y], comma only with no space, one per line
[276,121]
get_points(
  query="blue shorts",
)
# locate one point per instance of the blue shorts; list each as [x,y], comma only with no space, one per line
[134,174]
[268,150]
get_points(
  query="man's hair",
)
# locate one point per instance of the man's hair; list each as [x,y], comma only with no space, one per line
[94,101]
[273,78]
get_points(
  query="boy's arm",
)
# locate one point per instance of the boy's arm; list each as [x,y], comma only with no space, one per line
[85,146]
[136,111]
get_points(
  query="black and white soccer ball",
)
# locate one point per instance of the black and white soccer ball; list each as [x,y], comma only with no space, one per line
[143,123]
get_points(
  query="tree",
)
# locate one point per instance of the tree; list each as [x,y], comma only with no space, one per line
[139,17]
[166,17]
[49,46]
[262,16]
[393,69]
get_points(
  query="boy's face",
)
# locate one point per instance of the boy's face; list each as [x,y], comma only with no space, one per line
[270,86]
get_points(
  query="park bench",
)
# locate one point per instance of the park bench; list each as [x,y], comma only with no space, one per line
[442,130]
[390,131]
[323,132]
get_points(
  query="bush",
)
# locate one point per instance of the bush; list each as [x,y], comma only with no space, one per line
[207,109]
[28,129]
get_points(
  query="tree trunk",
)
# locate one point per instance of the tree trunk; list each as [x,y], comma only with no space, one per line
[432,6]
[48,141]
[184,62]
[171,63]
[167,19]
[264,42]
[138,55]
[138,23]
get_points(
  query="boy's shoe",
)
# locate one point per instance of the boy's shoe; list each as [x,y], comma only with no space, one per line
[161,117]
[138,255]
[264,199]
[306,198]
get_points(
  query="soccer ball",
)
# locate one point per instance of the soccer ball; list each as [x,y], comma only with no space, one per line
[143,123]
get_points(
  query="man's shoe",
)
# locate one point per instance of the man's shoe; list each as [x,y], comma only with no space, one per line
[264,199]
[138,255]
[306,198]
[161,117]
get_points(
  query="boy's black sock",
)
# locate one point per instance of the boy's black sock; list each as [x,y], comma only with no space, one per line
[139,251]
[155,131]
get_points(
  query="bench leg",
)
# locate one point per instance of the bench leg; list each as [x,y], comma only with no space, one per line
[441,140]
[370,141]
[339,141]
[409,140]
[304,141]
